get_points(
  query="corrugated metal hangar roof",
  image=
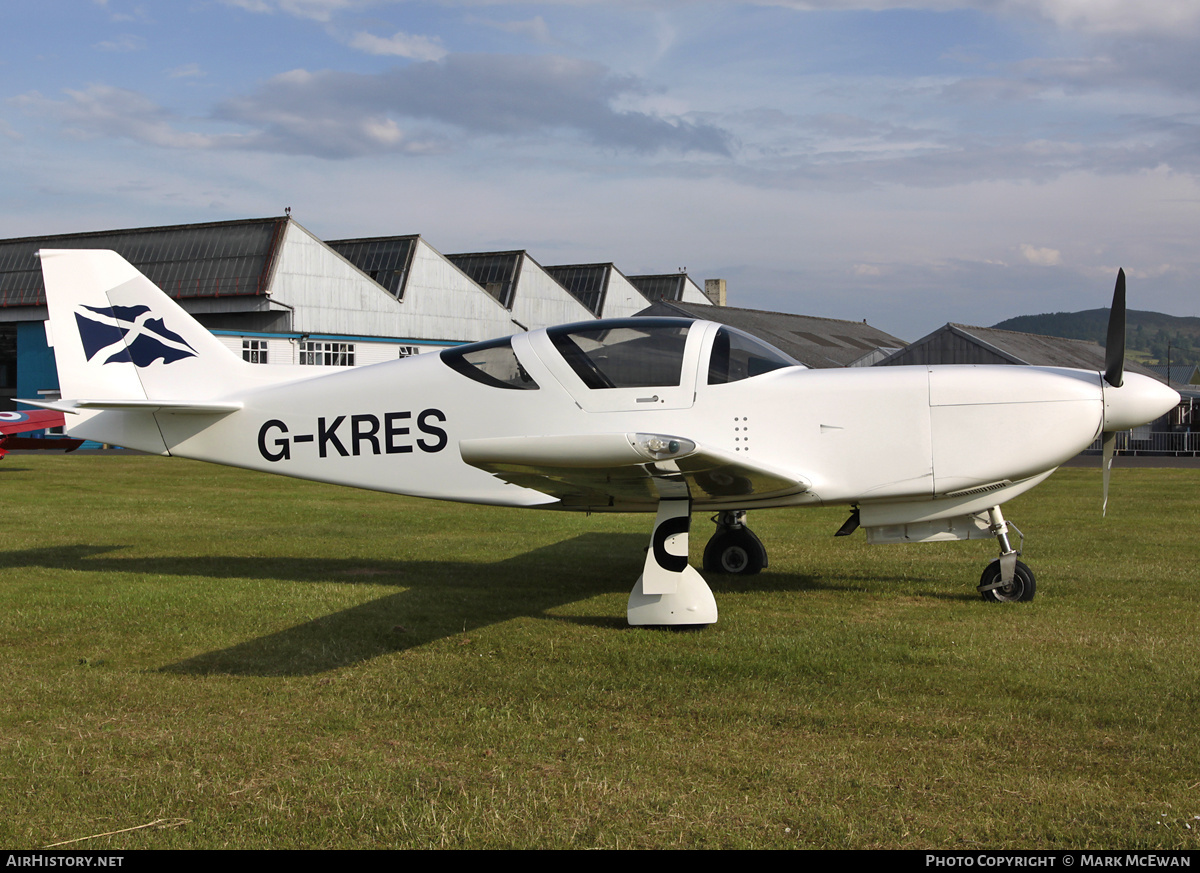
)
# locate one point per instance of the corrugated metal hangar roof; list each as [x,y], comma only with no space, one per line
[964,344]
[670,287]
[587,283]
[815,342]
[496,272]
[217,259]
[386,259]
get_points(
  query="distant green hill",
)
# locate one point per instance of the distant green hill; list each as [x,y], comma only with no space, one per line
[1147,333]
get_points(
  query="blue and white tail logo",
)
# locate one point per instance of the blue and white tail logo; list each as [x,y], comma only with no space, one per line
[128,333]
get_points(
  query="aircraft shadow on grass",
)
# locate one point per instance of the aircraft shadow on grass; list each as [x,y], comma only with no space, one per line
[439,599]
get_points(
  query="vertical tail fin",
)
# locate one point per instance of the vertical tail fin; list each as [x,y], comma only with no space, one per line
[116,336]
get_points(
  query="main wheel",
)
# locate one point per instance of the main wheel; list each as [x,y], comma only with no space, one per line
[1020,589]
[737,552]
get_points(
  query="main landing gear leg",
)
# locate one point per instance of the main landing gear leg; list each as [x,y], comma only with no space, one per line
[1006,580]
[669,591]
[734,548]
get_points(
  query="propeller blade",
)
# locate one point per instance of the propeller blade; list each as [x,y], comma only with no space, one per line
[1114,347]
[1109,445]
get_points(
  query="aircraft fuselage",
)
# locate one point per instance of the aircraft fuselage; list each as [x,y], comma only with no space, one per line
[857,435]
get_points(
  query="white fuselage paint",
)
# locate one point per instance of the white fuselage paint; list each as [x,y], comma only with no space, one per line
[857,435]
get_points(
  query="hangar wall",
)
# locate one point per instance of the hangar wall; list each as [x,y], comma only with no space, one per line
[441,302]
[275,293]
[622,298]
[540,301]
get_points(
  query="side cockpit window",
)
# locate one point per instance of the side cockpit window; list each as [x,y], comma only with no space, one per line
[493,363]
[736,356]
[630,353]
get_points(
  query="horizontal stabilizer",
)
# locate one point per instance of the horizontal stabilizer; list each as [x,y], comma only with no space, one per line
[177,407]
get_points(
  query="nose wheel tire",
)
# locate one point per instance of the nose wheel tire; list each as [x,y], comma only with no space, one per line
[1020,590]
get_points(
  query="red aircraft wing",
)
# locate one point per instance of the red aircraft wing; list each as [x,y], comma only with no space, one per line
[40,419]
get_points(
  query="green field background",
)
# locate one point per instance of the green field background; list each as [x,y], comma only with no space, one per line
[201,657]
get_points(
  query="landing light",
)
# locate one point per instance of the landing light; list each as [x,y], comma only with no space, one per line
[660,447]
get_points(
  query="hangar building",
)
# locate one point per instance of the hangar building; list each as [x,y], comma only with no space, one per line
[274,292]
[819,343]
[1177,433]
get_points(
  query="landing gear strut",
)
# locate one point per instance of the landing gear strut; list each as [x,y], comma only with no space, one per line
[669,591]
[733,548]
[1006,580]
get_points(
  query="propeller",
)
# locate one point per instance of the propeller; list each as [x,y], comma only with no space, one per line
[1114,346]
[1114,372]
[1109,445]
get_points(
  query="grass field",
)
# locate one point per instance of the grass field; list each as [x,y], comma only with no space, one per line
[254,662]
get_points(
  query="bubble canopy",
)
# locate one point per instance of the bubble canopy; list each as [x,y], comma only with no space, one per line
[624,353]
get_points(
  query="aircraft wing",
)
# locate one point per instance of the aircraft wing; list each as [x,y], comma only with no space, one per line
[21,422]
[25,421]
[612,470]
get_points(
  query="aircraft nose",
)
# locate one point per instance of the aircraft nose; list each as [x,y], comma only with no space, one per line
[1138,401]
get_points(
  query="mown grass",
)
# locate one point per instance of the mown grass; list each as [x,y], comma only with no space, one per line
[264,663]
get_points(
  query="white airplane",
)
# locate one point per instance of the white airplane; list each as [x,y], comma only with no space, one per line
[664,415]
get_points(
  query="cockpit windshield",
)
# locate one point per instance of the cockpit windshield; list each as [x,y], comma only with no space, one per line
[736,356]
[625,353]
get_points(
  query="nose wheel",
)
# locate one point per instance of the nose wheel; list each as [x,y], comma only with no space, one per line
[995,590]
[734,549]
[1006,580]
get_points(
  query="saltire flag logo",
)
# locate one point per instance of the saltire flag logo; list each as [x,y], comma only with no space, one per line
[128,333]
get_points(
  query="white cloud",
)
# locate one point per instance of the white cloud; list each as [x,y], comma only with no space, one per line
[1119,16]
[921,184]
[538,102]
[101,110]
[1041,257]
[510,96]
[124,43]
[250,5]
[1093,16]
[1098,15]
[534,28]
[317,10]
[136,15]
[186,71]
[400,44]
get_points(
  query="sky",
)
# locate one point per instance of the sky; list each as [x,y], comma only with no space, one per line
[906,162]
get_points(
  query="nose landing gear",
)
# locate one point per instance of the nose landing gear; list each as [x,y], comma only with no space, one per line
[1006,580]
